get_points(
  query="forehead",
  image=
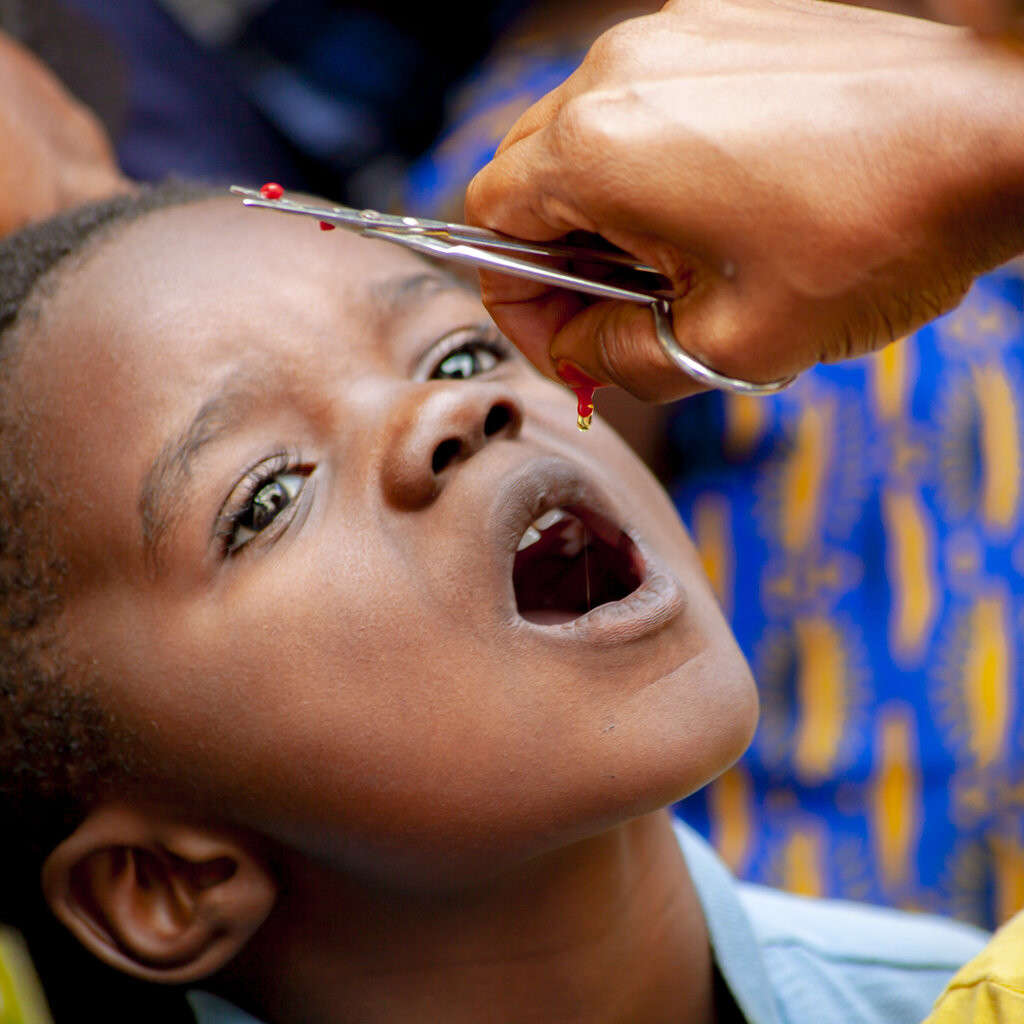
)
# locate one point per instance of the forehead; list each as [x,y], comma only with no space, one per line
[208,287]
[219,262]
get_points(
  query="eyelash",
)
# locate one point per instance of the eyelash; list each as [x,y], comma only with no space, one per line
[241,502]
[483,337]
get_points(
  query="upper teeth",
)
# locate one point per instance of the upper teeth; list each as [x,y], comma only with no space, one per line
[556,515]
[541,523]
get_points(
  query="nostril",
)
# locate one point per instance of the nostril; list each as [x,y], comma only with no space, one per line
[445,454]
[500,418]
[497,420]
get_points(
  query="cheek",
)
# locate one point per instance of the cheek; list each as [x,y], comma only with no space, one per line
[290,671]
[390,719]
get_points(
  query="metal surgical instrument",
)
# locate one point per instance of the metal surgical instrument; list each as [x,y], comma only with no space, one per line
[478,247]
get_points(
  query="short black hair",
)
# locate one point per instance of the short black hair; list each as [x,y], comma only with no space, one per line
[54,742]
[59,747]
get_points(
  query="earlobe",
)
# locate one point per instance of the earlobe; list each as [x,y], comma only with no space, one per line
[156,897]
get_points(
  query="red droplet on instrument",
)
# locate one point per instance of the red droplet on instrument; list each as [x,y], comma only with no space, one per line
[584,385]
[324,226]
[271,190]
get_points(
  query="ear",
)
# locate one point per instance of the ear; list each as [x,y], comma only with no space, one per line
[157,897]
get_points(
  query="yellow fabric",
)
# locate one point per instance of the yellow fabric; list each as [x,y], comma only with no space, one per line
[990,988]
[21,996]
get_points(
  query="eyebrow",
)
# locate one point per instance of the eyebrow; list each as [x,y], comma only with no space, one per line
[163,494]
[398,295]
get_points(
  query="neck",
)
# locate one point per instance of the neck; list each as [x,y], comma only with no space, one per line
[604,932]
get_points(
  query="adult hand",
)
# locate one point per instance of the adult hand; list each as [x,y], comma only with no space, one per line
[53,151]
[814,179]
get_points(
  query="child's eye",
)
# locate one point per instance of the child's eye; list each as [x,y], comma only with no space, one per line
[257,502]
[466,353]
[468,361]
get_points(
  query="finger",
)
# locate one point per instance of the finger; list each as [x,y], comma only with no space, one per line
[503,197]
[735,335]
[529,314]
[537,116]
[529,191]
[615,343]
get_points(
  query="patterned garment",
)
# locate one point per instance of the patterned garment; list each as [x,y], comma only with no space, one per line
[863,531]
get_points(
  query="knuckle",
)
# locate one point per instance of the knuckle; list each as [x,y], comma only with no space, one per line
[476,202]
[579,123]
[590,127]
[624,42]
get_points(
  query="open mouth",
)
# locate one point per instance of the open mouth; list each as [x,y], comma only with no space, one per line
[569,562]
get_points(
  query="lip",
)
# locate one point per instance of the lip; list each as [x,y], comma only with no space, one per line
[552,482]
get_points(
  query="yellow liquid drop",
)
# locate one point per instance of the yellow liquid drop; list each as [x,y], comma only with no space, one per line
[583,422]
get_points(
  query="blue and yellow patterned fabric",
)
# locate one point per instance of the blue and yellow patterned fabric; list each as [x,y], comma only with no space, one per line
[864,532]
[484,109]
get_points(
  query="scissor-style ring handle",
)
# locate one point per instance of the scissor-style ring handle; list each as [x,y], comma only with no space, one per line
[701,371]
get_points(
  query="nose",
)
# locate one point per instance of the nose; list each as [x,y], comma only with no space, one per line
[436,426]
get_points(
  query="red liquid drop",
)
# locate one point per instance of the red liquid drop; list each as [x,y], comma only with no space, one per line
[324,226]
[271,190]
[584,386]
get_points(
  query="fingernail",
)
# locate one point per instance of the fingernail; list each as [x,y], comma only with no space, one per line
[574,376]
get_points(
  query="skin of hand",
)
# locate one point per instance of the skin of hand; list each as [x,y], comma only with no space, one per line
[995,18]
[53,150]
[815,180]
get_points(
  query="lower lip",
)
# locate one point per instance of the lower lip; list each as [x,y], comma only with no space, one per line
[653,605]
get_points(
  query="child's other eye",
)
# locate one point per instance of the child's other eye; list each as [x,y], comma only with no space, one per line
[468,361]
[258,501]
[467,353]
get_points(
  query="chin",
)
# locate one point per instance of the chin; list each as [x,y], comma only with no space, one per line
[680,732]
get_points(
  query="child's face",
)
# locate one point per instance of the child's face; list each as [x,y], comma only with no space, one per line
[320,640]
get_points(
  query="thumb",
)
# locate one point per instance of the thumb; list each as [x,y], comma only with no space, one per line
[745,340]
[616,343]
